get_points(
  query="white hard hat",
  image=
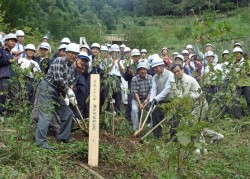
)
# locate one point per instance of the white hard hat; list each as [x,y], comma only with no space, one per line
[84,55]
[237,44]
[209,54]
[10,36]
[65,40]
[209,45]
[191,55]
[135,52]
[45,37]
[115,48]
[30,47]
[151,57]
[85,46]
[180,57]
[189,46]
[175,53]
[62,46]
[44,45]
[122,46]
[238,49]
[142,65]
[108,45]
[73,47]
[144,51]
[184,52]
[127,49]
[20,33]
[225,52]
[156,61]
[164,48]
[104,48]
[95,45]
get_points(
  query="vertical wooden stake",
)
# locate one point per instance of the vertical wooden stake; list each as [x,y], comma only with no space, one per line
[93,153]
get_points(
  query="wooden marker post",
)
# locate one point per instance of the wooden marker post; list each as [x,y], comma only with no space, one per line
[93,153]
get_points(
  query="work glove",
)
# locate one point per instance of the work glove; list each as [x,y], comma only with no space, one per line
[66,100]
[73,101]
[70,93]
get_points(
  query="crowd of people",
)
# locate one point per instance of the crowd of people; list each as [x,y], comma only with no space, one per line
[134,78]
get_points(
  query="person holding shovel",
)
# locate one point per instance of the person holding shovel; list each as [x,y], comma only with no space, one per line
[160,91]
[140,91]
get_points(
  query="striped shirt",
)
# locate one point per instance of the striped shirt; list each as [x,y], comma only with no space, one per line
[62,74]
[141,86]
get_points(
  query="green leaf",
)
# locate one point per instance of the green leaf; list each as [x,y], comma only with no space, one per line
[184,140]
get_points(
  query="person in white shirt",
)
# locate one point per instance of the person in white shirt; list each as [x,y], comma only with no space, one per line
[160,91]
[30,67]
[212,75]
[19,49]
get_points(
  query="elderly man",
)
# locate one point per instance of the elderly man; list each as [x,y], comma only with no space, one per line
[140,90]
[58,82]
[160,91]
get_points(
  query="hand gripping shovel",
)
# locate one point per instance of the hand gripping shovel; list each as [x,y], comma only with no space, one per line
[145,120]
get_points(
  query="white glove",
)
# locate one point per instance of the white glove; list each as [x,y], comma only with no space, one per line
[70,93]
[73,101]
[66,100]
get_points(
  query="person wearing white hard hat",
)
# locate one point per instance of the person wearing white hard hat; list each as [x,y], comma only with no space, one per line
[65,40]
[84,48]
[104,52]
[175,54]
[95,50]
[160,92]
[190,49]
[122,47]
[116,70]
[144,53]
[19,49]
[140,90]
[237,44]
[210,76]
[208,47]
[43,57]
[58,82]
[225,54]
[45,39]
[179,59]
[6,71]
[241,67]
[189,66]
[130,72]
[30,67]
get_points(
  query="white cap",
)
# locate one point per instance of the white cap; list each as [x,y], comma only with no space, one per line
[104,48]
[144,51]
[238,49]
[84,55]
[30,47]
[20,33]
[225,52]
[209,45]
[95,45]
[189,46]
[180,57]
[122,46]
[73,47]
[164,48]
[142,65]
[135,52]
[65,40]
[184,52]
[45,45]
[237,44]
[85,46]
[209,54]
[175,53]
[115,48]
[156,61]
[127,49]
[62,46]
[10,36]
